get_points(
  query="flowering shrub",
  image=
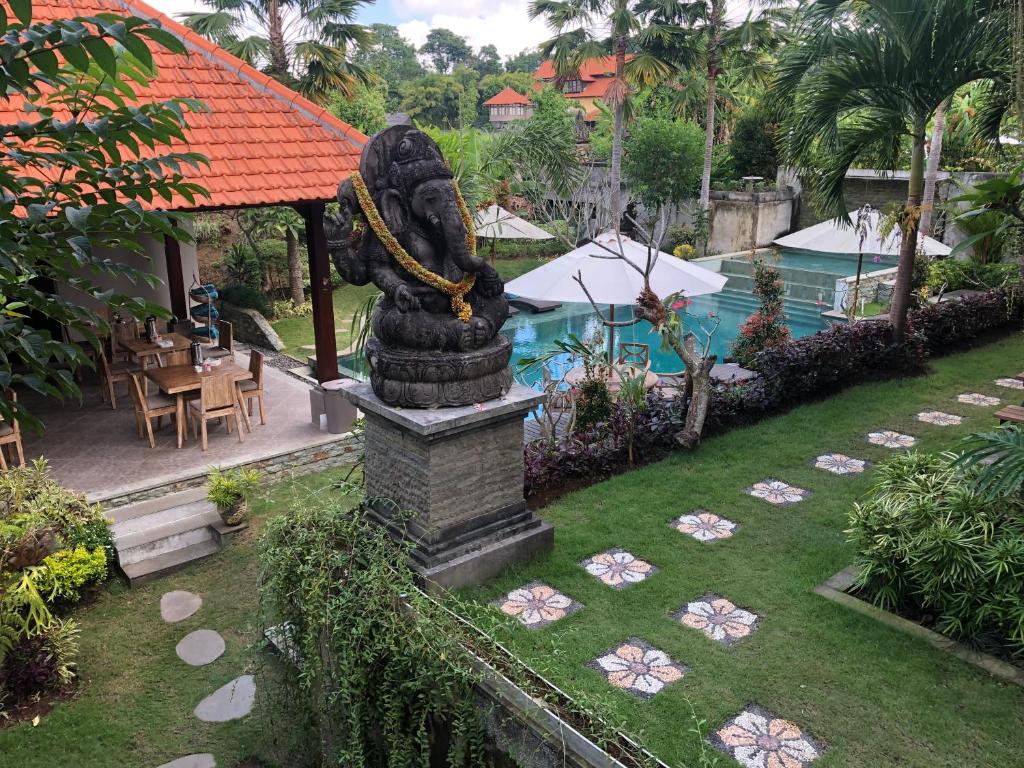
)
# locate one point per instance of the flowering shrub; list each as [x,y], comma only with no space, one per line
[684,251]
[766,328]
[796,372]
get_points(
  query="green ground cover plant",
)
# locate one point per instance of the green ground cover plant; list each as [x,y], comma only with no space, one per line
[874,696]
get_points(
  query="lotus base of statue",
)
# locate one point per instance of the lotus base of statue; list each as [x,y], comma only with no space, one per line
[414,378]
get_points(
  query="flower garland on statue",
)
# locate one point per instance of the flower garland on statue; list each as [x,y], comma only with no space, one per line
[457,291]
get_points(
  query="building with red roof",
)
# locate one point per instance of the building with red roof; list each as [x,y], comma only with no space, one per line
[266,146]
[508,105]
[587,86]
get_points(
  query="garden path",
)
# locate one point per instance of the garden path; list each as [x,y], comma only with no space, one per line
[754,736]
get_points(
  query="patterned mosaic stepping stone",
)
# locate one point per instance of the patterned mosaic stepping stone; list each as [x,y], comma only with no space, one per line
[704,526]
[976,398]
[718,618]
[200,648]
[203,760]
[638,668]
[777,492]
[618,568]
[1009,383]
[229,702]
[178,605]
[840,464]
[755,738]
[888,438]
[536,605]
[940,419]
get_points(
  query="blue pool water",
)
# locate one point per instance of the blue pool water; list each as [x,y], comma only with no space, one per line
[533,334]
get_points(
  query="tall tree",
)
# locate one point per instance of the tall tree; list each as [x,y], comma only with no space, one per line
[621,29]
[526,60]
[445,49]
[931,173]
[486,62]
[305,44]
[865,74]
[391,58]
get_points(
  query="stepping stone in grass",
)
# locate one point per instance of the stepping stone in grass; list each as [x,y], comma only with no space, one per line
[204,760]
[756,737]
[179,605]
[638,668]
[718,618]
[229,702]
[940,419]
[840,464]
[888,438]
[976,398]
[201,647]
[1009,383]
[536,605]
[618,568]
[777,492]
[704,526]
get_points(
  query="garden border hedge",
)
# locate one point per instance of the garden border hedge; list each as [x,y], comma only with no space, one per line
[801,371]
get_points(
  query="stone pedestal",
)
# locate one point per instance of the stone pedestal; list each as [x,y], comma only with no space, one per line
[461,471]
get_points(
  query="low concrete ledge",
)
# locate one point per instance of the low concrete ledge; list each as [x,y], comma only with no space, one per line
[836,590]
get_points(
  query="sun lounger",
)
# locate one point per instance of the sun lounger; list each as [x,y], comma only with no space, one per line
[536,306]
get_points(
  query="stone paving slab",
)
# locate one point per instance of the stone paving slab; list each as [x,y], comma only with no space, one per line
[202,760]
[536,605]
[704,526]
[976,398]
[231,701]
[939,418]
[179,605]
[618,568]
[200,648]
[777,492]
[840,464]
[718,618]
[756,738]
[639,668]
[888,438]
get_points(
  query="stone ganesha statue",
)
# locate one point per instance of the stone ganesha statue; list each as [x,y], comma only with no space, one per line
[435,339]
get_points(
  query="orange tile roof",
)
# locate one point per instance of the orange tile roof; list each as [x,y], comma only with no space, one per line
[266,144]
[506,96]
[601,66]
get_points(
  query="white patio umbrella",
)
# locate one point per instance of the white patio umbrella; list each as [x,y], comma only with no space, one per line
[610,280]
[495,222]
[833,236]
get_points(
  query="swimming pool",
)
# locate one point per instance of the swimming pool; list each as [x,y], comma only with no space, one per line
[840,264]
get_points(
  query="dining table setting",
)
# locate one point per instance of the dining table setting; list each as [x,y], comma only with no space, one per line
[179,381]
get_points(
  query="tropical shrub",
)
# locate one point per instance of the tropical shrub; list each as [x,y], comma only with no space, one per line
[998,458]
[593,403]
[766,328]
[955,275]
[753,147]
[64,573]
[949,325]
[246,297]
[931,547]
[40,662]
[228,487]
[281,310]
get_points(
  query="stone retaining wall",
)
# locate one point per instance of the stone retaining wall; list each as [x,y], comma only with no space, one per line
[744,220]
[281,466]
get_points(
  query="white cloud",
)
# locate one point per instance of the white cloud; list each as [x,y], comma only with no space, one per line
[507,26]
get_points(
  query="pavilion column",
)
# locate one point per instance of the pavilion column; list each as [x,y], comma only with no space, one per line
[320,293]
[175,278]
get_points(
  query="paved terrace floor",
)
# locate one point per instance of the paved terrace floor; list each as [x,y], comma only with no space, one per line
[96,450]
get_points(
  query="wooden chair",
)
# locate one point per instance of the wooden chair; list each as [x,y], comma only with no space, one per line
[225,347]
[10,434]
[637,354]
[112,374]
[218,399]
[148,406]
[184,327]
[252,389]
[119,332]
[175,357]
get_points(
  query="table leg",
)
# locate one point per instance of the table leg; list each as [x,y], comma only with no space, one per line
[241,406]
[179,417]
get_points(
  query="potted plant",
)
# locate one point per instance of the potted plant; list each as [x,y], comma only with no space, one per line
[229,491]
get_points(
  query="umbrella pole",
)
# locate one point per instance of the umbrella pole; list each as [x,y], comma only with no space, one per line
[611,336]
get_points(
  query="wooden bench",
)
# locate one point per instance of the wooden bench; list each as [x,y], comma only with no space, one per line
[1011,413]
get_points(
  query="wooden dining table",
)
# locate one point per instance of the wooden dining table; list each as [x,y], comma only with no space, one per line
[143,349]
[179,380]
[611,377]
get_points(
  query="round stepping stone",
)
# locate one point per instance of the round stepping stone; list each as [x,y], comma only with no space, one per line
[229,702]
[200,647]
[204,760]
[179,605]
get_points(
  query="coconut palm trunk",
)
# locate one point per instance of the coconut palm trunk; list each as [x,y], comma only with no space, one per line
[713,54]
[618,127]
[275,34]
[908,243]
[932,171]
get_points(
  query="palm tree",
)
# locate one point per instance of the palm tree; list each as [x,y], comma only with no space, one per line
[301,43]
[588,29]
[862,75]
[931,173]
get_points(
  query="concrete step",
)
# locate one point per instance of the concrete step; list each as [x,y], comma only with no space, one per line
[158,504]
[161,565]
[167,522]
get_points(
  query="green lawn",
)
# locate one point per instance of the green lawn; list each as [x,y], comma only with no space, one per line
[136,698]
[297,332]
[872,696]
